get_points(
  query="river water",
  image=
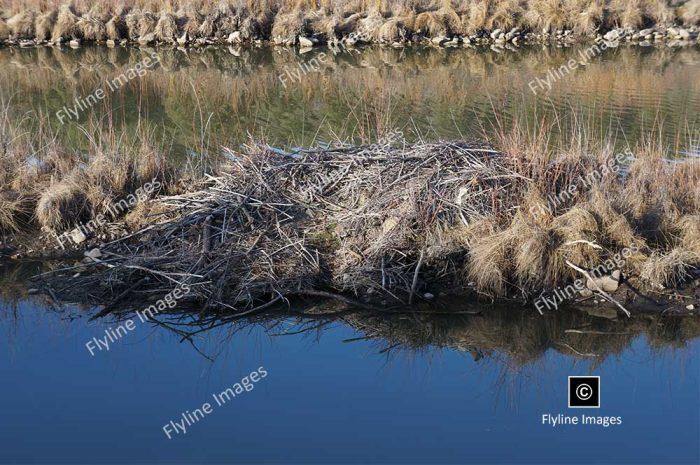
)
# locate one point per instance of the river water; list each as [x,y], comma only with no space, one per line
[343,389]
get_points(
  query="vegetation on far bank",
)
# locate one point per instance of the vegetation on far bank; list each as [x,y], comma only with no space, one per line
[284,21]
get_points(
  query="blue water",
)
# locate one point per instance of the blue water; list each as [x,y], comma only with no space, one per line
[326,401]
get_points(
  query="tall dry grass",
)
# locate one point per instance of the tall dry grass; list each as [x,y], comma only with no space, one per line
[47,185]
[377,20]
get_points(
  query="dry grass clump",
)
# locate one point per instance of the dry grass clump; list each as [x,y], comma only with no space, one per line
[116,28]
[14,212]
[131,21]
[488,257]
[4,30]
[66,26]
[289,25]
[22,25]
[166,29]
[62,204]
[689,12]
[671,268]
[546,15]
[92,29]
[689,227]
[44,25]
[146,24]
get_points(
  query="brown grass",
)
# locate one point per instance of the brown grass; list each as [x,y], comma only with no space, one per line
[63,204]
[116,28]
[22,25]
[66,25]
[92,29]
[166,29]
[383,21]
[689,12]
[45,24]
[4,30]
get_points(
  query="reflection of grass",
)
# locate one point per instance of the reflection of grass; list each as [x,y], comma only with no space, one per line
[524,338]
[441,92]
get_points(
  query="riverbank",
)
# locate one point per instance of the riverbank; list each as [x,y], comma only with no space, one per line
[393,23]
[376,226]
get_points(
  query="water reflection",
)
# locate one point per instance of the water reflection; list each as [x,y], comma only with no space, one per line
[437,93]
[512,336]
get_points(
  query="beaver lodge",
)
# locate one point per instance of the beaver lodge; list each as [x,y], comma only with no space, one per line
[385,226]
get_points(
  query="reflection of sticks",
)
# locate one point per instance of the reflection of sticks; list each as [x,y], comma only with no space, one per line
[600,290]
[578,331]
[109,308]
[576,351]
[330,295]
[636,291]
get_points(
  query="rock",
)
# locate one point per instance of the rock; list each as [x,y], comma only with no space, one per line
[586,292]
[147,39]
[690,307]
[32,291]
[646,32]
[234,38]
[182,40]
[77,236]
[683,34]
[608,283]
[496,33]
[111,43]
[95,254]
[305,42]
[612,36]
[75,43]
[439,40]
[428,296]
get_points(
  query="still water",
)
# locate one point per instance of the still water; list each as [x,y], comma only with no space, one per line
[198,100]
[356,388]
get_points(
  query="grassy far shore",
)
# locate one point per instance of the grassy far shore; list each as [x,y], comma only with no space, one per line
[386,21]
[446,93]
[392,222]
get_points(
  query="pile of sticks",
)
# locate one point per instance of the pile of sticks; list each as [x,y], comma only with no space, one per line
[358,224]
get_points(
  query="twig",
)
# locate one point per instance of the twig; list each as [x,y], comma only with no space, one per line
[600,290]
[415,277]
